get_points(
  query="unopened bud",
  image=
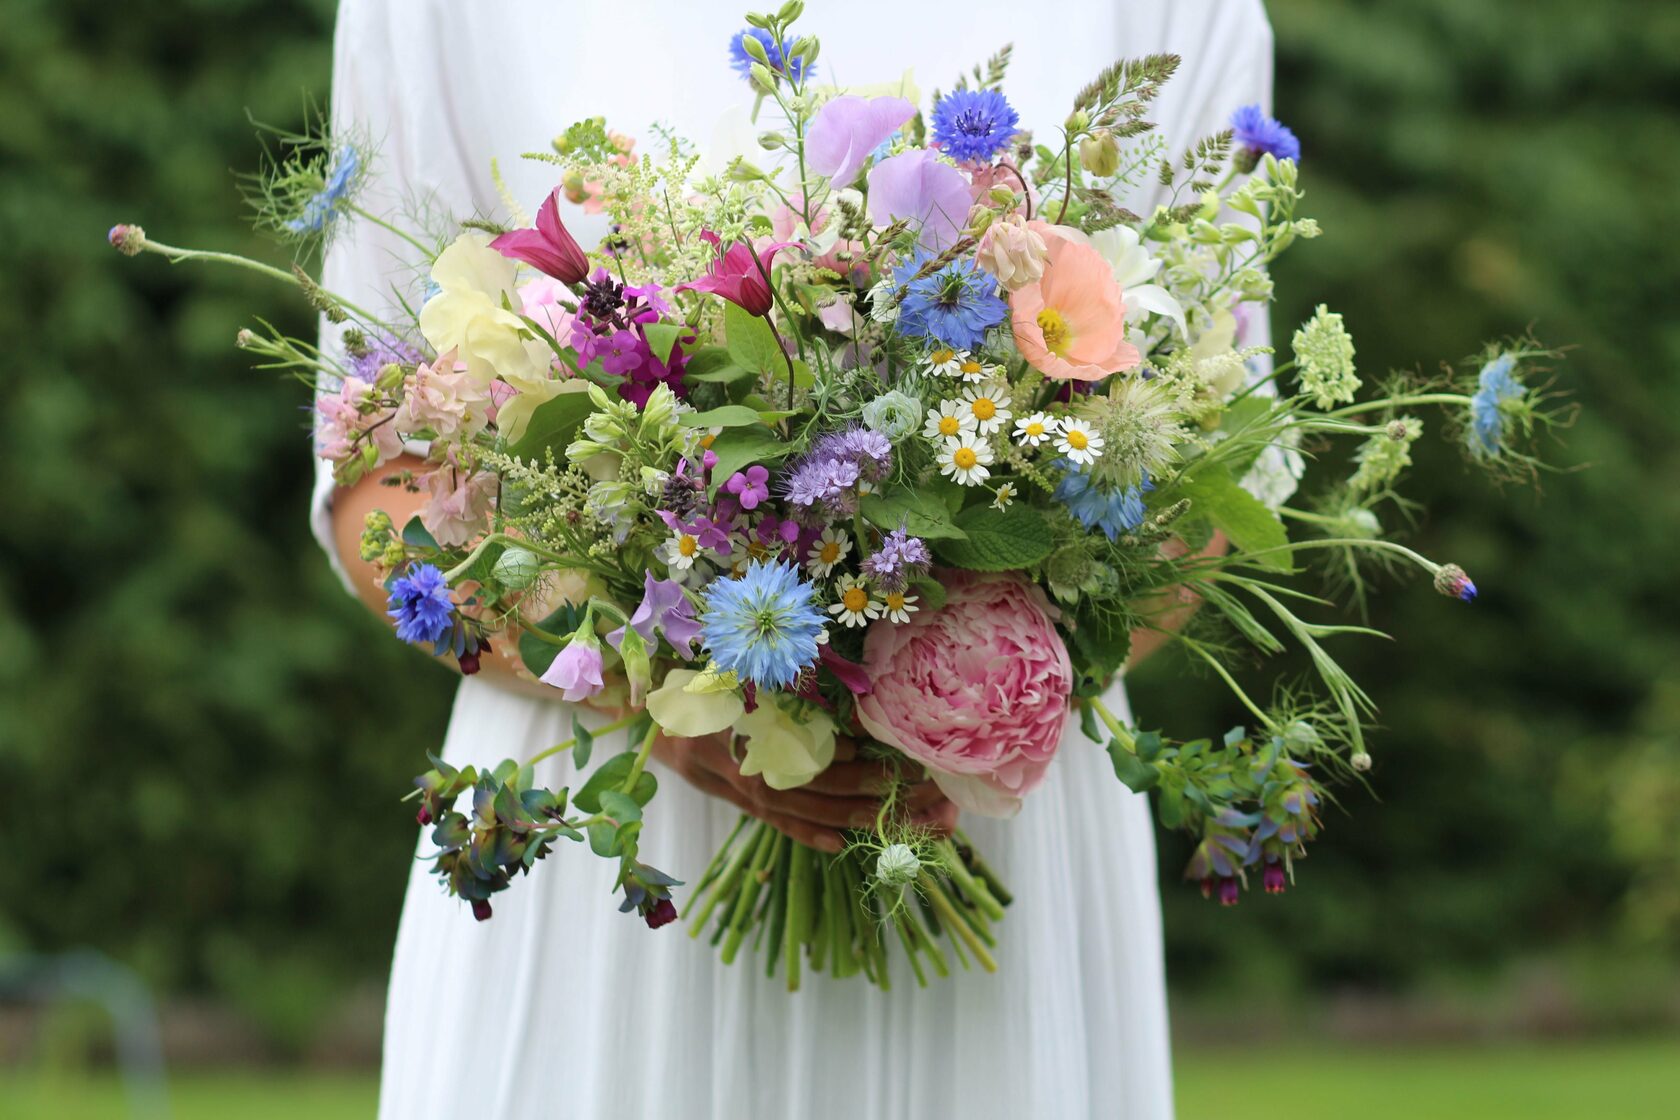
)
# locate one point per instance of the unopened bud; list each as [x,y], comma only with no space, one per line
[1361,762]
[762,74]
[127,240]
[1078,121]
[1399,431]
[244,338]
[770,141]
[516,569]
[1451,580]
[755,49]
[1099,153]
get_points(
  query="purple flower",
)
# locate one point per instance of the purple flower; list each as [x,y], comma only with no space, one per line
[1273,878]
[973,125]
[1259,135]
[900,559]
[623,353]
[381,351]
[664,609]
[663,912]
[420,603]
[848,129]
[707,532]
[924,190]
[577,670]
[828,475]
[549,248]
[750,487]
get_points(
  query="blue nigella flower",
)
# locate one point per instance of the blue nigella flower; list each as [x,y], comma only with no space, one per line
[956,305]
[1487,418]
[974,124]
[765,625]
[1258,134]
[742,62]
[1114,511]
[420,603]
[323,205]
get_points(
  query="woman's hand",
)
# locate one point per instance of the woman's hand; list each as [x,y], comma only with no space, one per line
[846,795]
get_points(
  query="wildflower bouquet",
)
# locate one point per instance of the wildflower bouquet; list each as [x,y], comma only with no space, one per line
[896,430]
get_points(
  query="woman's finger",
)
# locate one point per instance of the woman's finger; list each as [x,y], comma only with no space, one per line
[803,831]
[852,779]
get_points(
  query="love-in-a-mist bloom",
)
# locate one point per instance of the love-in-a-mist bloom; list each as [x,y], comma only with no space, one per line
[956,304]
[765,626]
[549,248]
[1071,324]
[1495,386]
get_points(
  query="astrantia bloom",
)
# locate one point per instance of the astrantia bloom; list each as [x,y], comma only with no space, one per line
[324,205]
[973,125]
[765,626]
[1071,324]
[742,62]
[1112,509]
[1496,385]
[956,305]
[1257,134]
[420,603]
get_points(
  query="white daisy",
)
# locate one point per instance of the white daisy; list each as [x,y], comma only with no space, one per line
[1030,431]
[681,551]
[946,362]
[1076,439]
[827,551]
[899,606]
[856,605]
[1003,496]
[973,370]
[965,459]
[988,405]
[950,420]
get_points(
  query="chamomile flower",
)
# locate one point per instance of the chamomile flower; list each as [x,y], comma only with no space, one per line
[965,459]
[1031,431]
[827,551]
[857,605]
[988,405]
[898,606]
[950,420]
[1078,441]
[973,370]
[946,362]
[681,551]
[1003,496]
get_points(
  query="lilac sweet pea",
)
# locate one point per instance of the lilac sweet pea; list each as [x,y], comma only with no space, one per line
[576,671]
[921,188]
[848,129]
[665,609]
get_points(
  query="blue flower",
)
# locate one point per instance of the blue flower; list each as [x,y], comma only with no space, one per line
[1487,416]
[1115,511]
[974,124]
[956,305]
[1257,135]
[421,605]
[323,205]
[742,62]
[766,625]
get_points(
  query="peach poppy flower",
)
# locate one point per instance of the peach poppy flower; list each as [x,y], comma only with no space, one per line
[1071,324]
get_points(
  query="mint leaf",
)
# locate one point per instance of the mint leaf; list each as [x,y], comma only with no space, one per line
[997,540]
[1241,516]
[921,512]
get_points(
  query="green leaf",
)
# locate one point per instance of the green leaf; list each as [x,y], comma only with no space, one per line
[752,344]
[1149,745]
[713,364]
[1241,516]
[1103,640]
[931,593]
[1088,723]
[921,512]
[728,416]
[603,839]
[741,447]
[537,654]
[1137,774]
[553,424]
[611,776]
[585,745]
[997,540]
[416,534]
[662,337]
[621,807]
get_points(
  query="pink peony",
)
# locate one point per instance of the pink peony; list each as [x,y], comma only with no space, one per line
[444,398]
[977,690]
[343,416]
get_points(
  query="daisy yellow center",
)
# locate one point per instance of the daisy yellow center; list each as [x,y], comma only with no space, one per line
[984,408]
[1078,440]
[949,425]
[1055,330]
[758,550]
[1035,429]
[688,546]
[895,600]
[940,357]
[964,458]
[970,366]
[830,552]
[855,599]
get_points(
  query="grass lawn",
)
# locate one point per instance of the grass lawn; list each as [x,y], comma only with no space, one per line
[1627,1081]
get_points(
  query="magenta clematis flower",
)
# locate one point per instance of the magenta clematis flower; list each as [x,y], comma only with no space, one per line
[924,190]
[549,248]
[665,608]
[740,275]
[848,129]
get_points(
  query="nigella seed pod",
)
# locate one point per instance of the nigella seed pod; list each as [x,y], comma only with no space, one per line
[897,866]
[1451,580]
[481,909]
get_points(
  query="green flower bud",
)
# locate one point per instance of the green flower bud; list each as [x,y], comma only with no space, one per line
[516,569]
[898,866]
[790,11]
[244,338]
[1078,121]
[638,670]
[755,49]
[1099,153]
[762,75]
[770,141]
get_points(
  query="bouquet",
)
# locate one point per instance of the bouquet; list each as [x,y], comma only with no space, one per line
[895,429]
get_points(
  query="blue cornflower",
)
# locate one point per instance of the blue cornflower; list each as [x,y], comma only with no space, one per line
[420,603]
[1114,511]
[956,305]
[742,62]
[974,124]
[1487,416]
[765,626]
[1258,134]
[323,205]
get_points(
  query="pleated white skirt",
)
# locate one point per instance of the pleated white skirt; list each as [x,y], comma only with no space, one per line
[561,1006]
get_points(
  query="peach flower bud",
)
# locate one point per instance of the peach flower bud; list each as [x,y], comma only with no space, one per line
[1013,253]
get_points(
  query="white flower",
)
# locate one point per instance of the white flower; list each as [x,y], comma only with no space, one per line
[827,551]
[973,370]
[965,459]
[989,406]
[946,362]
[1031,431]
[788,742]
[681,551]
[856,605]
[881,307]
[1076,440]
[1003,496]
[899,606]
[1133,269]
[468,315]
[948,421]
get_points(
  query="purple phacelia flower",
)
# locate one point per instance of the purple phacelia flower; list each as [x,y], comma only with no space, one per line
[900,559]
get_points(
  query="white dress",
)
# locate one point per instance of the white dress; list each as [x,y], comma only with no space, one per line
[560,1005]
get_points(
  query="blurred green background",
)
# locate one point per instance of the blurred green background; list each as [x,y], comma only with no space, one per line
[200,771]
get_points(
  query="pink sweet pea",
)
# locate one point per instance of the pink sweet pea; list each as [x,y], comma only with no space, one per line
[548,248]
[924,190]
[576,671]
[847,129]
[739,275]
